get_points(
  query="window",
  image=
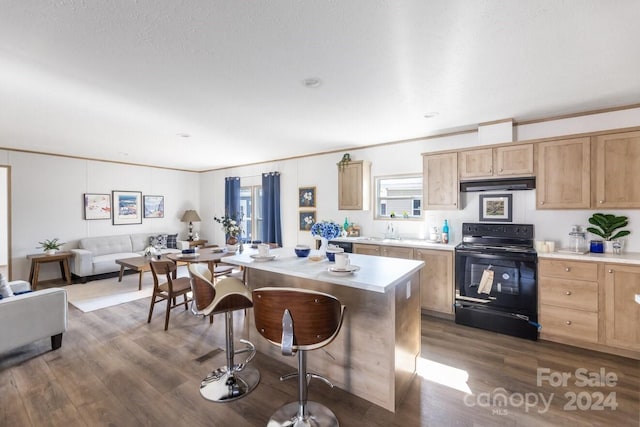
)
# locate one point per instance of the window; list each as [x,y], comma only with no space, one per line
[251,208]
[398,196]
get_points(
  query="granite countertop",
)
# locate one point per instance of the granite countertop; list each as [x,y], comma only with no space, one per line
[376,273]
[624,258]
[405,243]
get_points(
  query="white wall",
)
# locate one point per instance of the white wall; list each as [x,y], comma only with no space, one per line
[393,159]
[47,192]
[47,201]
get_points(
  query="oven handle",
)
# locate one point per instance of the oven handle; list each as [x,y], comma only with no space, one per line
[471,299]
[502,255]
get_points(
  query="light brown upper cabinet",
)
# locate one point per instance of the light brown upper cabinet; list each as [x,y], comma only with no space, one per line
[506,161]
[354,186]
[617,164]
[563,175]
[440,173]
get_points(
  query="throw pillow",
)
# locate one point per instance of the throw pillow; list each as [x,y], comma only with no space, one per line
[5,289]
[172,241]
[159,240]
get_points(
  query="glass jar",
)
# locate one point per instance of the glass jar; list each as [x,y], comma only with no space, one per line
[577,240]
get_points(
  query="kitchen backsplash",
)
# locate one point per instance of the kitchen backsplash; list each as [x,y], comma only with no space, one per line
[549,224]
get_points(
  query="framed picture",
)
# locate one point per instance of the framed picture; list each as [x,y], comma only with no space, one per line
[154,206]
[127,207]
[496,207]
[307,219]
[97,206]
[307,197]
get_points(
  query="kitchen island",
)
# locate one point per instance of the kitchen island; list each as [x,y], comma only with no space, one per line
[374,356]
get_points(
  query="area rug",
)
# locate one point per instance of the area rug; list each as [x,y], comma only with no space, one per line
[104,293]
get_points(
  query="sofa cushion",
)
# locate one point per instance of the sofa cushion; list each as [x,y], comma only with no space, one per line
[107,244]
[107,263]
[139,241]
[158,240]
[172,241]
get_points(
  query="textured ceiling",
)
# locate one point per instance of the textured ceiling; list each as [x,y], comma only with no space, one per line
[121,80]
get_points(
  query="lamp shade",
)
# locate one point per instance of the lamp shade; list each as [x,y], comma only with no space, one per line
[190,215]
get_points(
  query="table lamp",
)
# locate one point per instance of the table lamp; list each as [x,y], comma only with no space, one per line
[190,216]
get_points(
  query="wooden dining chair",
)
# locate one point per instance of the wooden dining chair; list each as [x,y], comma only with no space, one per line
[168,290]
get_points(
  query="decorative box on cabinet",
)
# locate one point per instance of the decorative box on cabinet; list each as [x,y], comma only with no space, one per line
[354,181]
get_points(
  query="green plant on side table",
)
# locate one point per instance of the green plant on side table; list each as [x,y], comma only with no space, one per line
[50,246]
[605,226]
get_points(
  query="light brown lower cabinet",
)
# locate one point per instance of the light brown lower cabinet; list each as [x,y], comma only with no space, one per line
[436,280]
[590,305]
[364,249]
[622,311]
[436,277]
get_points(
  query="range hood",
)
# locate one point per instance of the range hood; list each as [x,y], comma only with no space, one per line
[526,183]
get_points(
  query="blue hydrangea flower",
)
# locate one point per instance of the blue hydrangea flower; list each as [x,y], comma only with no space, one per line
[327,229]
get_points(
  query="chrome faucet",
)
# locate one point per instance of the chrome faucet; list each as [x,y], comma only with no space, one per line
[391,231]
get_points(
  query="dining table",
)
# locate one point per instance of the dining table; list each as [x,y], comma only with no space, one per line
[212,256]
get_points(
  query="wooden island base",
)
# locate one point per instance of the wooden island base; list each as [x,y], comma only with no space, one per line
[374,356]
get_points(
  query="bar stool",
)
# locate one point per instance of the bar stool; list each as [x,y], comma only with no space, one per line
[232,381]
[299,320]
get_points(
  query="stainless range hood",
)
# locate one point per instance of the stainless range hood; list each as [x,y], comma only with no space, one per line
[526,183]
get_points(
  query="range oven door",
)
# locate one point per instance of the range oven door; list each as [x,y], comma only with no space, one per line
[513,288]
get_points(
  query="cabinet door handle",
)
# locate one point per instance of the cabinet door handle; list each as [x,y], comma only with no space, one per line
[568,322]
[542,202]
[567,269]
[501,170]
[601,201]
[568,293]
[610,271]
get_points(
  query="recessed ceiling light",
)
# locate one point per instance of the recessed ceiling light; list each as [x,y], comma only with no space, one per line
[183,135]
[312,82]
[430,114]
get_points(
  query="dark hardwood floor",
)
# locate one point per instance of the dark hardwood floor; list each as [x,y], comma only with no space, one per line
[114,369]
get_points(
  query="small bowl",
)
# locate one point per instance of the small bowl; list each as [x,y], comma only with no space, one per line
[302,251]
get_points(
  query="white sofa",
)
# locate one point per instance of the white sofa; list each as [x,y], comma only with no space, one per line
[32,316]
[98,255]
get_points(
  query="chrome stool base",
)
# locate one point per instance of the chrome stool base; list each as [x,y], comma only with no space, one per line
[317,415]
[222,386]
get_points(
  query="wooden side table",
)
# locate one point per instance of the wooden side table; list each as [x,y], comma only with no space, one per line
[37,259]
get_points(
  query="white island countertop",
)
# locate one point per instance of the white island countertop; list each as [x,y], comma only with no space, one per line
[376,273]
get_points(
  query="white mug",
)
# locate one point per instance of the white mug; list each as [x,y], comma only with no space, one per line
[263,249]
[342,260]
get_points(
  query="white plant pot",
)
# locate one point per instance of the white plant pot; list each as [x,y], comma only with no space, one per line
[51,251]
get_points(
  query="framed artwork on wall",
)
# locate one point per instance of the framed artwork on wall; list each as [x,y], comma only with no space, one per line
[496,207]
[127,207]
[97,206]
[307,219]
[307,197]
[154,206]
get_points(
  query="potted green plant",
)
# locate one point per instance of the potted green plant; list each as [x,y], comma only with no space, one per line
[51,246]
[608,227]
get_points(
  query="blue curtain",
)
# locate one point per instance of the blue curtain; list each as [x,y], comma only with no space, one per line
[272,228]
[232,197]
